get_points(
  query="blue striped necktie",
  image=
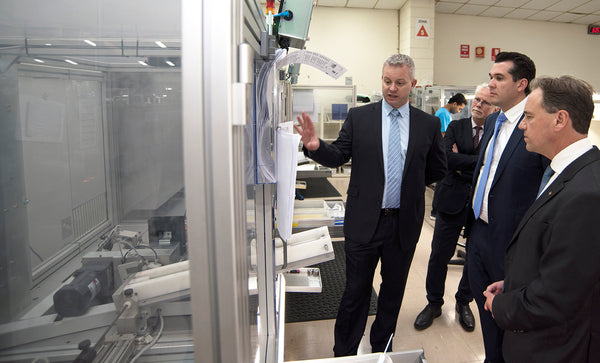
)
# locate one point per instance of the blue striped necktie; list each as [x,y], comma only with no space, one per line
[485,173]
[395,162]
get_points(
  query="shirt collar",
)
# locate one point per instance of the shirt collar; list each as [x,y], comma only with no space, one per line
[474,124]
[514,114]
[569,154]
[387,108]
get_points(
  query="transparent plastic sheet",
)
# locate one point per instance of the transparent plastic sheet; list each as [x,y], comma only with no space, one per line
[267,117]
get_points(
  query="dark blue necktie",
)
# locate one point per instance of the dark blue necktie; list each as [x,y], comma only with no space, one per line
[485,173]
[545,178]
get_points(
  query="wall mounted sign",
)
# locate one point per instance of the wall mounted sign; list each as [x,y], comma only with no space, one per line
[464,51]
[594,29]
[422,30]
[495,52]
[480,52]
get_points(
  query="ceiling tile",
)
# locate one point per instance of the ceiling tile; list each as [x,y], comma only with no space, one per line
[390,4]
[539,4]
[365,4]
[338,3]
[520,13]
[566,5]
[446,8]
[566,18]
[468,9]
[496,12]
[510,3]
[588,19]
[482,2]
[544,15]
[588,8]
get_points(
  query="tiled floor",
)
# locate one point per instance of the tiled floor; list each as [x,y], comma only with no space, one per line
[444,342]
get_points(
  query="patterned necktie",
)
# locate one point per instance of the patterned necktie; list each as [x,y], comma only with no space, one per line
[477,136]
[545,178]
[486,168]
[393,180]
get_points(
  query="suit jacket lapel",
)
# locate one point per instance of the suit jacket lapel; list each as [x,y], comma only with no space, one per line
[515,138]
[412,138]
[557,185]
[377,110]
[466,137]
[488,132]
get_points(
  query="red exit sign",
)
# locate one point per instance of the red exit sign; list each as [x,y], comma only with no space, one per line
[594,29]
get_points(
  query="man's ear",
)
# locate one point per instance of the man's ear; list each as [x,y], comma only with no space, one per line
[523,82]
[562,120]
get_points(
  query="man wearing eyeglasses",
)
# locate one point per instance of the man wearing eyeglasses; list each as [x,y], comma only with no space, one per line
[451,200]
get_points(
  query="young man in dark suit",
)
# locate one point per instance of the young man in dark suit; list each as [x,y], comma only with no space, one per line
[451,198]
[549,301]
[505,184]
[396,151]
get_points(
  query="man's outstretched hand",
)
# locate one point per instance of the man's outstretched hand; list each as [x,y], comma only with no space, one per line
[307,131]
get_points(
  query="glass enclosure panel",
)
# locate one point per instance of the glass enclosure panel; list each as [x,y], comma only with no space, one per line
[94,208]
[146,113]
[327,105]
[92,179]
[468,92]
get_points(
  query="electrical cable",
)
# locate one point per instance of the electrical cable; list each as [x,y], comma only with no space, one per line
[144,246]
[160,330]
[107,238]
[35,253]
[120,241]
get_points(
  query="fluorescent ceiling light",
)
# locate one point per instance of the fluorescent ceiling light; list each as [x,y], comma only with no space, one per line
[48,44]
[38,60]
[160,44]
[170,63]
[90,42]
[142,63]
[169,88]
[70,62]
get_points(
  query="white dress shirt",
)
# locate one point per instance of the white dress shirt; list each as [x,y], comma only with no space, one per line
[513,116]
[565,157]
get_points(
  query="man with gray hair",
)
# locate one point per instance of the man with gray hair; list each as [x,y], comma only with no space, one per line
[451,199]
[396,151]
[549,301]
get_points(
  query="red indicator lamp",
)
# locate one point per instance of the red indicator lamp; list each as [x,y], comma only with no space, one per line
[594,29]
[270,7]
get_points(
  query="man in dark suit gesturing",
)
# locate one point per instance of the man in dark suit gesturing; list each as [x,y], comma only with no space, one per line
[550,306]
[451,199]
[396,151]
[505,184]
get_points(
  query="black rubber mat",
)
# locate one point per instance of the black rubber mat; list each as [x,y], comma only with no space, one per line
[318,188]
[324,305]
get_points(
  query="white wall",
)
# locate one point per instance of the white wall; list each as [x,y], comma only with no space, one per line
[556,48]
[358,39]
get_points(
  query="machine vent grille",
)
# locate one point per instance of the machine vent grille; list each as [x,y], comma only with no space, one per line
[89,215]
